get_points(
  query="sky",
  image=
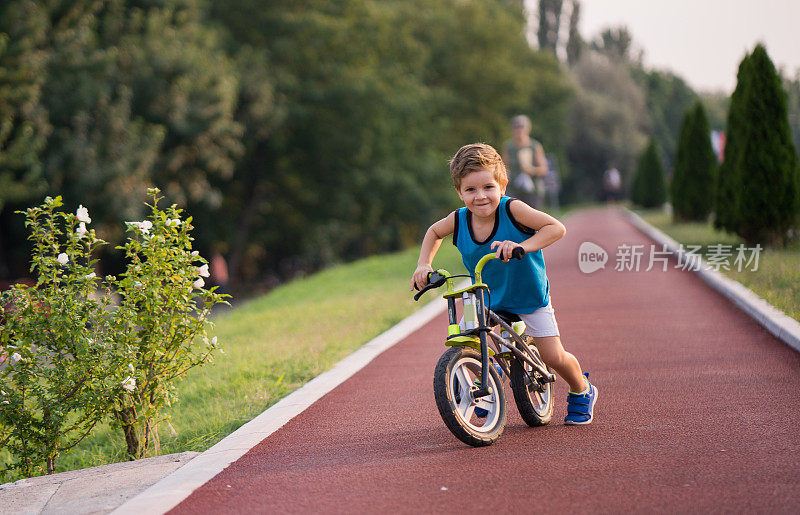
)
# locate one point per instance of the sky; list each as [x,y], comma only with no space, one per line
[702,41]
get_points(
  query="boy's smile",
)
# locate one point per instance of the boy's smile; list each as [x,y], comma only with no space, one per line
[481,193]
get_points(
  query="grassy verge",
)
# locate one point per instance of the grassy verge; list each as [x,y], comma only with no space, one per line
[777,278]
[273,345]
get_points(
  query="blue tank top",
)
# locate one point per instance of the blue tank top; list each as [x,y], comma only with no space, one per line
[519,286]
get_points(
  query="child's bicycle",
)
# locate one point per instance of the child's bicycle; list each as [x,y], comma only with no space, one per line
[467,382]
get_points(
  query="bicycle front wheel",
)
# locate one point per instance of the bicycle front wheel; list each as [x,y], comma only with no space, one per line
[533,397]
[476,422]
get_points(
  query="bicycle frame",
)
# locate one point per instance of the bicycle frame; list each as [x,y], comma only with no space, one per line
[476,338]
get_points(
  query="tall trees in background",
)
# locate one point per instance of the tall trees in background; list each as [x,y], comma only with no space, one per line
[758,194]
[692,187]
[549,24]
[298,133]
[294,133]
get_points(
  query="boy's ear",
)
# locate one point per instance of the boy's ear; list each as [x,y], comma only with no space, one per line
[458,190]
[503,187]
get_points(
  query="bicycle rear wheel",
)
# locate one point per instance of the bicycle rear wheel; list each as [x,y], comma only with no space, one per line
[476,422]
[535,405]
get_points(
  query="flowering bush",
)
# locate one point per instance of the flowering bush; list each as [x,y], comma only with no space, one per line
[70,356]
[160,325]
[52,387]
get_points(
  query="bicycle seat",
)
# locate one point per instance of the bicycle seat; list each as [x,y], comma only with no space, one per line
[507,317]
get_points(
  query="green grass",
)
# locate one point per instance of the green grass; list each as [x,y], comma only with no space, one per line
[273,345]
[777,278]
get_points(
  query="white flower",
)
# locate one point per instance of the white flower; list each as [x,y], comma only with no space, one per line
[81,230]
[3,392]
[199,283]
[15,357]
[129,384]
[143,226]
[203,271]
[146,226]
[5,402]
[195,253]
[83,214]
[174,222]
[91,276]
[214,340]
[130,366]
[62,258]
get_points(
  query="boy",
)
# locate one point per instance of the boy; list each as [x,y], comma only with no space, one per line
[490,221]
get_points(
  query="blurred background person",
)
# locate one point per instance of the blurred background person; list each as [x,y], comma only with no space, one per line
[612,184]
[526,164]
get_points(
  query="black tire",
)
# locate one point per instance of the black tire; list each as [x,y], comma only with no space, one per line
[458,366]
[535,407]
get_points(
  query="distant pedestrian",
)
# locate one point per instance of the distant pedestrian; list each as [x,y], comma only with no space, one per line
[526,164]
[612,184]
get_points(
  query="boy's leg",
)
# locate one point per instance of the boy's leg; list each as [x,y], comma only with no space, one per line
[565,364]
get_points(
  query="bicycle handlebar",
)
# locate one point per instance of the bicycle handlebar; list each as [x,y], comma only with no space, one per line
[435,279]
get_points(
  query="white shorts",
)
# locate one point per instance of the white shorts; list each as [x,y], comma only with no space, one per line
[541,323]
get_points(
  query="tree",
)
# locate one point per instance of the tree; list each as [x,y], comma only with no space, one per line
[692,188]
[617,44]
[649,188]
[768,166]
[575,43]
[726,192]
[549,24]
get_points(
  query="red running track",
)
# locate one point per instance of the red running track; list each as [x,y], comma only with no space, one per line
[698,412]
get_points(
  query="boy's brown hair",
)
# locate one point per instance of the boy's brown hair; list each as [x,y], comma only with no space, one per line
[477,156]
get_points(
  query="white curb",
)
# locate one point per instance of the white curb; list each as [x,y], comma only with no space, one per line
[774,320]
[170,491]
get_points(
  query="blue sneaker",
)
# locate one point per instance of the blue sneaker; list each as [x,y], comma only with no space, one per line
[580,407]
[480,412]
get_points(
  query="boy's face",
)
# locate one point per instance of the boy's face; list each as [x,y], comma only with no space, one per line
[481,192]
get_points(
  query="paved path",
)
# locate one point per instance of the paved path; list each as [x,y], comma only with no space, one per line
[698,411]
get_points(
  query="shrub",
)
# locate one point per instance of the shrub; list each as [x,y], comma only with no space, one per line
[649,188]
[768,169]
[53,387]
[727,185]
[73,356]
[692,187]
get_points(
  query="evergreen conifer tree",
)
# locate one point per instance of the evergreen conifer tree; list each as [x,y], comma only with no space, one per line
[692,187]
[649,187]
[727,189]
[768,166]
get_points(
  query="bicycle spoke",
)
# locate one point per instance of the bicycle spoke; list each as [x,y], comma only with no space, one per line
[464,380]
[467,413]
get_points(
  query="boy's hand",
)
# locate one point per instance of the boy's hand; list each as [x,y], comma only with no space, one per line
[504,249]
[420,277]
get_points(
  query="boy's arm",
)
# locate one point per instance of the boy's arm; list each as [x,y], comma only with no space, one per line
[548,230]
[430,245]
